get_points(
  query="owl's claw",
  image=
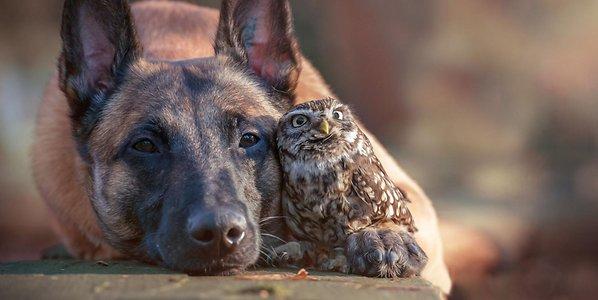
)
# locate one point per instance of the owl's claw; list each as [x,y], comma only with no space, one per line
[335,261]
[291,254]
[384,252]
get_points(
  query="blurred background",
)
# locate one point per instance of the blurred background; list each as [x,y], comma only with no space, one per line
[491,105]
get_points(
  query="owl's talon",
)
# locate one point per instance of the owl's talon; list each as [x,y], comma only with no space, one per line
[344,269]
[375,256]
[393,257]
[359,265]
[336,263]
[384,253]
[326,266]
[293,253]
[414,248]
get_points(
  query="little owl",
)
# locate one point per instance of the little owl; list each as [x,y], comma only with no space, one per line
[338,201]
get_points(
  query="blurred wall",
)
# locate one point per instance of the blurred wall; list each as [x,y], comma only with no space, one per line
[29,41]
[490,104]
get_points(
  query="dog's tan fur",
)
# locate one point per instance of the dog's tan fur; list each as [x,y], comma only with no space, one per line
[61,176]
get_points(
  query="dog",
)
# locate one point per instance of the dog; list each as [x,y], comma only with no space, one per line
[154,139]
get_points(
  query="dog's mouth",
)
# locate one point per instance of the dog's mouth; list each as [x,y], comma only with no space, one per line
[216,269]
[213,268]
[194,263]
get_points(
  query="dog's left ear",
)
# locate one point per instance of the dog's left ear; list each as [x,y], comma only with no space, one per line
[259,34]
[98,44]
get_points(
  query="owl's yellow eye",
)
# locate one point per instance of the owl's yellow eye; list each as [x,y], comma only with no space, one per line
[299,120]
[337,115]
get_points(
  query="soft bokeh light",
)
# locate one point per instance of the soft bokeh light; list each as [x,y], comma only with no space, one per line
[491,105]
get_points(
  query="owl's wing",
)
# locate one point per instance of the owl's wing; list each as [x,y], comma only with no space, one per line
[372,185]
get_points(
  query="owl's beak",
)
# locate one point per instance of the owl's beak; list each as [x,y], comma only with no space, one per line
[324,127]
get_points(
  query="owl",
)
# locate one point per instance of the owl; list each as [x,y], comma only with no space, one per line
[337,198]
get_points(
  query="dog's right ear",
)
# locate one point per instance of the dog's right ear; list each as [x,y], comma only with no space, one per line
[259,34]
[98,44]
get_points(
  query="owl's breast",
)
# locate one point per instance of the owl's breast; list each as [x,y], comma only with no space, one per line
[318,202]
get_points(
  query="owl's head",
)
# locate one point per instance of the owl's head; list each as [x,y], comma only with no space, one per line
[317,127]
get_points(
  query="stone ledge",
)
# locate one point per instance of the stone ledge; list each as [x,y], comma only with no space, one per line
[73,279]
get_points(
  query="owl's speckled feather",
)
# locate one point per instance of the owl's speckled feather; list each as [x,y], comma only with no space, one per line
[334,185]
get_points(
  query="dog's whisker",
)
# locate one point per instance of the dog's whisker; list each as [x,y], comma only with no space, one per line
[265,257]
[265,253]
[267,219]
[273,236]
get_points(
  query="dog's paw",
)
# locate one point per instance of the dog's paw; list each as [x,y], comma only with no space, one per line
[385,253]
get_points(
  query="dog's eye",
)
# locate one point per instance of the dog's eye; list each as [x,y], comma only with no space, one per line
[248,140]
[299,120]
[337,115]
[146,146]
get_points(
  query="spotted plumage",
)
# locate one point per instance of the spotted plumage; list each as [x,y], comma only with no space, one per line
[334,186]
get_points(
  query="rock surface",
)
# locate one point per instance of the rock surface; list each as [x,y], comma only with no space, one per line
[73,279]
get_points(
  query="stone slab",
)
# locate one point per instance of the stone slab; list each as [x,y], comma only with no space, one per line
[74,279]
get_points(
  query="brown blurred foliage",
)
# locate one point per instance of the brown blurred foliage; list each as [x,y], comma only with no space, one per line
[490,104]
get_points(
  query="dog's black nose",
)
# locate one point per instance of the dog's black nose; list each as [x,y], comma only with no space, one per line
[223,229]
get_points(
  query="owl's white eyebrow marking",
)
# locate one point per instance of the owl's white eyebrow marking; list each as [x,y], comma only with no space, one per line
[299,111]
[337,105]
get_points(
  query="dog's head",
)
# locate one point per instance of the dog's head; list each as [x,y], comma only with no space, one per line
[181,155]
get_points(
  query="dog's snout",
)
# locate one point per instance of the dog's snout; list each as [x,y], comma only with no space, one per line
[223,229]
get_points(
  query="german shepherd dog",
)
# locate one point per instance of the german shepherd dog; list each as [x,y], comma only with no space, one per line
[155,137]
